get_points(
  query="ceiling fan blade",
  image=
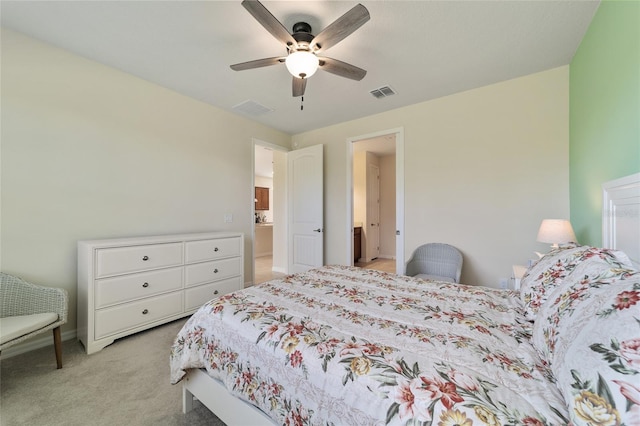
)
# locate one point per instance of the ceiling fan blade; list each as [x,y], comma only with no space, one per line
[257,63]
[268,21]
[342,69]
[341,28]
[299,84]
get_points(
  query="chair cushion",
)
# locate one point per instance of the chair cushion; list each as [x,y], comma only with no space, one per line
[17,326]
[434,278]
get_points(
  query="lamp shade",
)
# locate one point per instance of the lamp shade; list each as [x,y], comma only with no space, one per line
[302,64]
[556,231]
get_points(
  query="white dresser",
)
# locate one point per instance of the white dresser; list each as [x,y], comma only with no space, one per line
[126,285]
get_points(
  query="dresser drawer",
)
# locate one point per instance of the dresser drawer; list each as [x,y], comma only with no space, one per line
[201,273]
[129,315]
[110,291]
[199,251]
[121,260]
[195,297]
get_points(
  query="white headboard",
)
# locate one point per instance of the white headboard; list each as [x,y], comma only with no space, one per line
[621,216]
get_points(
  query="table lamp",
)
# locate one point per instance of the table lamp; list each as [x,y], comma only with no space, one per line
[556,231]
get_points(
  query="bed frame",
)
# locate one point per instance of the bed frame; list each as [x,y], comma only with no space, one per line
[620,223]
[213,395]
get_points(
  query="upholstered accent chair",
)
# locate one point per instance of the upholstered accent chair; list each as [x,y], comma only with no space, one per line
[27,310]
[436,261]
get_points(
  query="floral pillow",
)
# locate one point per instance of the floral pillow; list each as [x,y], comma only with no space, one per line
[599,372]
[550,271]
[554,327]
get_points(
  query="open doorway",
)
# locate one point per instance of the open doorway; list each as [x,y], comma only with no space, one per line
[269,212]
[376,205]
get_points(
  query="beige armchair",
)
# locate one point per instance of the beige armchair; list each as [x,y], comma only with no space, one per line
[27,309]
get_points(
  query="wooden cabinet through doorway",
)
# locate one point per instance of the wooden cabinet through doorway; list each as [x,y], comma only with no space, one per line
[357,244]
[262,198]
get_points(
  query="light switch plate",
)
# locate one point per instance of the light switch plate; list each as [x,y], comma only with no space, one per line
[228,217]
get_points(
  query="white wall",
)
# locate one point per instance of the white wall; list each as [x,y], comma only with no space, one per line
[91,152]
[482,169]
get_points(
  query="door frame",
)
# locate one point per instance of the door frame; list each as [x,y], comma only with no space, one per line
[399,134]
[273,147]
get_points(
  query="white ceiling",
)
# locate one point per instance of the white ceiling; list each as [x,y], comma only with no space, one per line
[422,49]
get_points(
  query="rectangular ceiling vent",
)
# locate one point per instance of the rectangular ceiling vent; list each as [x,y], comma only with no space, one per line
[252,108]
[382,92]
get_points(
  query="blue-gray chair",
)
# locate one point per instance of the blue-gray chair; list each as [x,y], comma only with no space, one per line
[437,262]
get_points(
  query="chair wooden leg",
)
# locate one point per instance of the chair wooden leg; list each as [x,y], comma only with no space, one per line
[57,343]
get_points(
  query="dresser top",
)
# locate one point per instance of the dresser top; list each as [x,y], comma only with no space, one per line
[158,239]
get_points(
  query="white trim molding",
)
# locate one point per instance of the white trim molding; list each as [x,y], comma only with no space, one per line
[621,215]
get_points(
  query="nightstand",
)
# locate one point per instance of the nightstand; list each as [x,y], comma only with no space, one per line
[518,272]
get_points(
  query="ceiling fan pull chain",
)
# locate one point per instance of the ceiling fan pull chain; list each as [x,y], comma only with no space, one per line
[302,103]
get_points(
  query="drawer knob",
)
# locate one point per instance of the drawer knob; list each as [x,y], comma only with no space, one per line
[145,312]
[145,285]
[215,249]
[145,258]
[216,292]
[215,271]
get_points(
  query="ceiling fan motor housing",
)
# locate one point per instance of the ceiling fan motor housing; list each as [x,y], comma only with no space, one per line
[302,34]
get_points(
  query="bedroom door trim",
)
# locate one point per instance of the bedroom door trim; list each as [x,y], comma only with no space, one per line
[399,134]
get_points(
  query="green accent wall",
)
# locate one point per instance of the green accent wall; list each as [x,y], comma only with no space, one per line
[604,112]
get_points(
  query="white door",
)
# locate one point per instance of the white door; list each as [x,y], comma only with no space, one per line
[373,212]
[305,208]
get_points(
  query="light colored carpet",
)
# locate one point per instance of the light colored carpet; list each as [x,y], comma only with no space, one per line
[127,383]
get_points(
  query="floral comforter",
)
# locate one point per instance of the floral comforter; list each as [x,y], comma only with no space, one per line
[340,345]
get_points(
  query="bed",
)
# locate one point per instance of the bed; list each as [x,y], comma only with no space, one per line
[341,345]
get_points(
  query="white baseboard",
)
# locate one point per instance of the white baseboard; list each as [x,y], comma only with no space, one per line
[280,270]
[386,256]
[46,339]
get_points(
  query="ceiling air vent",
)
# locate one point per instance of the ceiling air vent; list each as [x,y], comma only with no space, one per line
[252,108]
[382,92]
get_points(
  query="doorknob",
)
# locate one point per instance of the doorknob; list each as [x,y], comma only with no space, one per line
[317,230]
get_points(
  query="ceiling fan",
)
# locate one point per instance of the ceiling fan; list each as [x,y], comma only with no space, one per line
[302,58]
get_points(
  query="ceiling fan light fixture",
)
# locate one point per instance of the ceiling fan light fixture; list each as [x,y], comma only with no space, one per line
[302,64]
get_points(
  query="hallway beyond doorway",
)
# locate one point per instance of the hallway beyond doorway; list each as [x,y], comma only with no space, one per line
[385,265]
[263,270]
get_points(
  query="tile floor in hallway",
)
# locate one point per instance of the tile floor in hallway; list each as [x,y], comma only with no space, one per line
[386,265]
